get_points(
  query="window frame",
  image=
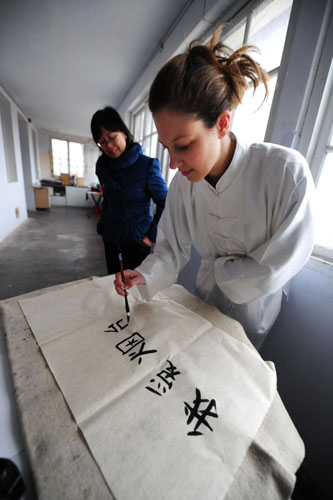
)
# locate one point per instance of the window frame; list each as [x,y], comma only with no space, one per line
[317,126]
[323,147]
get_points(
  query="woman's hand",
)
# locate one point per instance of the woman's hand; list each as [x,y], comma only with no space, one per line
[146,242]
[132,278]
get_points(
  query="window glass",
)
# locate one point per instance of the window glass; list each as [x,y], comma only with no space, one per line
[60,157]
[136,128]
[146,146]
[251,117]
[76,159]
[35,149]
[234,39]
[8,139]
[148,123]
[268,28]
[153,147]
[268,25]
[324,205]
[68,158]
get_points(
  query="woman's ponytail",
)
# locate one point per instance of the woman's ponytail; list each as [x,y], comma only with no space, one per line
[206,80]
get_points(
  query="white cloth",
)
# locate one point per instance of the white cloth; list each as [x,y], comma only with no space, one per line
[253,232]
[163,416]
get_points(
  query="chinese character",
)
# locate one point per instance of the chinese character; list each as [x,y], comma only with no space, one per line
[113,328]
[130,343]
[166,375]
[200,415]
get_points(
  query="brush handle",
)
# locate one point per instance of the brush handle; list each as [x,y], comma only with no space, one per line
[120,257]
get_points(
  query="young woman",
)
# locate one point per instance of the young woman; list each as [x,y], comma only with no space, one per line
[246,208]
[129,181]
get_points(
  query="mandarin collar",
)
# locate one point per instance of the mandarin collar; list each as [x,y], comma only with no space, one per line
[234,168]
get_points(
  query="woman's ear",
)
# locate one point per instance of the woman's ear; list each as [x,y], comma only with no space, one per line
[223,123]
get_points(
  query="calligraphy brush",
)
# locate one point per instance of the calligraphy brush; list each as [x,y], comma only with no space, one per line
[127,309]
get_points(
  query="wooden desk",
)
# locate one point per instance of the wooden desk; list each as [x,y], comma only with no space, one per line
[62,464]
[42,197]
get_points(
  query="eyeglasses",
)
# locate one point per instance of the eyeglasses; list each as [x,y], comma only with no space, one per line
[107,139]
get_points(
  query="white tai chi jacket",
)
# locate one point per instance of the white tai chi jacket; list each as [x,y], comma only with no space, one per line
[253,232]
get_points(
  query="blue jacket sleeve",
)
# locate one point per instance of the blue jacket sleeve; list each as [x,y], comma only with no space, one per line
[158,190]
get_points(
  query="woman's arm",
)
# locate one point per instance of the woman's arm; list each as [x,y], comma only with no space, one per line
[132,278]
[268,268]
[172,250]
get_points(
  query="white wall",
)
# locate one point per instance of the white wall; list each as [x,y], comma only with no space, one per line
[12,194]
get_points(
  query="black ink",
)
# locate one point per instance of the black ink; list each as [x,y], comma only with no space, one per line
[169,372]
[130,343]
[113,327]
[127,344]
[141,353]
[200,415]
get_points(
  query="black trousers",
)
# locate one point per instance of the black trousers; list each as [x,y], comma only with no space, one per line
[132,256]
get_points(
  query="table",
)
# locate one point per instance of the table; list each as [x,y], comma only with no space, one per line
[97,201]
[62,464]
[42,197]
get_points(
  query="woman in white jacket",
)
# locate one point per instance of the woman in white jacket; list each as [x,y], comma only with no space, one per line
[246,208]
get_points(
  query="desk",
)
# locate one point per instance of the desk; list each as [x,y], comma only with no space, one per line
[62,465]
[97,199]
[42,197]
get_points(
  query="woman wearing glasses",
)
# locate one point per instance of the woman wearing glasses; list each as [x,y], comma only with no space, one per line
[130,180]
[246,208]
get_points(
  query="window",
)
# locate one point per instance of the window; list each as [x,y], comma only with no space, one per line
[35,149]
[322,168]
[8,139]
[145,133]
[67,158]
[324,204]
[145,130]
[264,27]
[316,141]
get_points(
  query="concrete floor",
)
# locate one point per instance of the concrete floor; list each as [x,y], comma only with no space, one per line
[52,247]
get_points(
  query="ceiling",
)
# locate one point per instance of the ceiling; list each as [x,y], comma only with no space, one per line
[61,60]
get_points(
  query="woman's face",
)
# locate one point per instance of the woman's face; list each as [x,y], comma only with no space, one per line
[194,149]
[113,144]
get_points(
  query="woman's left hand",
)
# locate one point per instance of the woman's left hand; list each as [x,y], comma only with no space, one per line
[146,242]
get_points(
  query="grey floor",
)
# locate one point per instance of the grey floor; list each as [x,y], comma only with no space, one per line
[52,247]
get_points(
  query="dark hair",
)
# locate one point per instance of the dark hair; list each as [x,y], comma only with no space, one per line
[109,119]
[206,80]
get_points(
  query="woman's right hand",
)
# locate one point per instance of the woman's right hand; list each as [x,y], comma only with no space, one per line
[132,278]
